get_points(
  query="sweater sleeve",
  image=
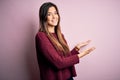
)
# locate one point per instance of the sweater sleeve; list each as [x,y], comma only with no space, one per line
[52,54]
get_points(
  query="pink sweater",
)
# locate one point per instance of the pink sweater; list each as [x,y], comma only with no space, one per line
[53,65]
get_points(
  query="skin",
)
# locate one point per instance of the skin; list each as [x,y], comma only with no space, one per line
[85,52]
[52,21]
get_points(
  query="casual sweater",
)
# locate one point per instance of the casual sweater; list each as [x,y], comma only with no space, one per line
[52,63]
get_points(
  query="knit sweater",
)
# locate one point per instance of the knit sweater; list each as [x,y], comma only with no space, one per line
[52,63]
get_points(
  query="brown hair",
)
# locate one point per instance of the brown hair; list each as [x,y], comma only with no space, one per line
[59,44]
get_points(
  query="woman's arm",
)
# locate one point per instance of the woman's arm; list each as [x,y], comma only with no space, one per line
[52,54]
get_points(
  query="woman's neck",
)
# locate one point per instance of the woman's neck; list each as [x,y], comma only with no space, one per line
[51,29]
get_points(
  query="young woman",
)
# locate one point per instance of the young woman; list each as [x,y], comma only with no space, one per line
[56,61]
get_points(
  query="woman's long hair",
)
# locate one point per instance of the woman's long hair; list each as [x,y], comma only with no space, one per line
[59,44]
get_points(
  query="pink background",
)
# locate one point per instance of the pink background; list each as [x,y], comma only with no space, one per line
[98,20]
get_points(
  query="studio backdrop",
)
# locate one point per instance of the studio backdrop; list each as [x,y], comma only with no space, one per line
[81,20]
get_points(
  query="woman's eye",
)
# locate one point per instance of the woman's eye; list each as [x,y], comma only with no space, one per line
[55,13]
[48,14]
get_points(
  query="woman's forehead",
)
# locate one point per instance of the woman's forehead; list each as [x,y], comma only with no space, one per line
[52,9]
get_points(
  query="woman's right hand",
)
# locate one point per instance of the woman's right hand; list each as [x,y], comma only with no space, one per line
[82,44]
[85,52]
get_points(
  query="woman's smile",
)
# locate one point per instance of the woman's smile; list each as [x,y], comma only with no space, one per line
[52,17]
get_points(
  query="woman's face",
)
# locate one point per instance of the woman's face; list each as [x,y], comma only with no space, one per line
[52,17]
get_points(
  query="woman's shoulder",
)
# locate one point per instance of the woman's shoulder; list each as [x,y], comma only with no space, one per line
[41,34]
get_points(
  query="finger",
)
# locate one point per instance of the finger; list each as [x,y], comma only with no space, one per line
[88,41]
[91,49]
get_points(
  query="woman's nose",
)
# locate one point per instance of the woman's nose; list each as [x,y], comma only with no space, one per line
[53,16]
